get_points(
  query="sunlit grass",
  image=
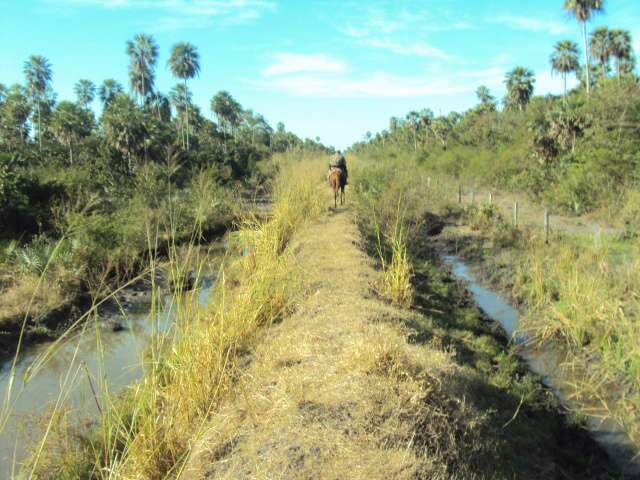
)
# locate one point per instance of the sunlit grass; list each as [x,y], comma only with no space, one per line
[396,278]
[148,431]
[583,298]
[580,291]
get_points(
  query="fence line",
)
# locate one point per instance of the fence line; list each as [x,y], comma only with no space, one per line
[515,209]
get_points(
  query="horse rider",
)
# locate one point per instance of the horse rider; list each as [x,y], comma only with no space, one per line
[338,161]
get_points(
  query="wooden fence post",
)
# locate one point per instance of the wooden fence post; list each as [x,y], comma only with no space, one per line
[546,226]
[515,214]
[459,193]
[429,182]
[490,198]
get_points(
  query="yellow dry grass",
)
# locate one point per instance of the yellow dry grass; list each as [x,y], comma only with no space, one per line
[26,296]
[335,390]
[190,368]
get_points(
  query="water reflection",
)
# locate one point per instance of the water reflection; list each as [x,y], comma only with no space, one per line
[77,372]
[548,363]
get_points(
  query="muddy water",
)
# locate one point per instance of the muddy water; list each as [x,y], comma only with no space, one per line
[66,373]
[548,364]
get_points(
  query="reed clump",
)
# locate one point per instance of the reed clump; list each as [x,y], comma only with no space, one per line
[583,297]
[397,273]
[189,369]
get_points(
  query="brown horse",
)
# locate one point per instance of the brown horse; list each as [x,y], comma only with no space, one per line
[337,182]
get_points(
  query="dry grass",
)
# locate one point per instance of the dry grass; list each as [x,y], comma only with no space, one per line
[581,298]
[397,273]
[336,391]
[191,368]
[26,296]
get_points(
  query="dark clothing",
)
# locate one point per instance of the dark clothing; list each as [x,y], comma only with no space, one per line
[338,161]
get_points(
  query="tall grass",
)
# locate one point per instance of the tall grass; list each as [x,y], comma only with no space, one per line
[580,291]
[396,273]
[386,203]
[148,432]
[583,297]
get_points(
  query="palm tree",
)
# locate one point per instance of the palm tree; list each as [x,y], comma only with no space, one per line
[227,110]
[143,56]
[180,98]
[620,48]
[413,118]
[583,10]
[108,91]
[161,104]
[15,113]
[85,90]
[601,48]
[124,128]
[564,60]
[39,74]
[441,128]
[70,123]
[484,95]
[520,82]
[185,64]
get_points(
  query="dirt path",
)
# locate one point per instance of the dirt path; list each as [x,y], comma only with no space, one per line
[338,391]
[335,391]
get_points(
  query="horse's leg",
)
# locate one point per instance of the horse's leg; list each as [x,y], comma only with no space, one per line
[335,198]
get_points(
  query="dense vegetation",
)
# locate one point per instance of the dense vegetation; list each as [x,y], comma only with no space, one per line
[577,152]
[149,431]
[87,193]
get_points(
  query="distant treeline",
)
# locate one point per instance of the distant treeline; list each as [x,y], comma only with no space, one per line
[133,129]
[577,152]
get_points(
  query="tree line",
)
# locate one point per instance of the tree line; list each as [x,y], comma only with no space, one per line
[134,126]
[576,151]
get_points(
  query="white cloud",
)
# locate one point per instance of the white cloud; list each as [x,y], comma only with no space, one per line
[546,82]
[177,14]
[417,49]
[322,76]
[397,31]
[534,25]
[288,63]
[375,85]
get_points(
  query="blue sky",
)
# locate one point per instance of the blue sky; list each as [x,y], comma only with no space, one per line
[328,68]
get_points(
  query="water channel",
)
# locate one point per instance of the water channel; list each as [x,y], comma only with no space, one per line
[109,352]
[547,363]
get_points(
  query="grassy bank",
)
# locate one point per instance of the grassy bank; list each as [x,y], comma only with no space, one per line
[148,432]
[578,295]
[520,414]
